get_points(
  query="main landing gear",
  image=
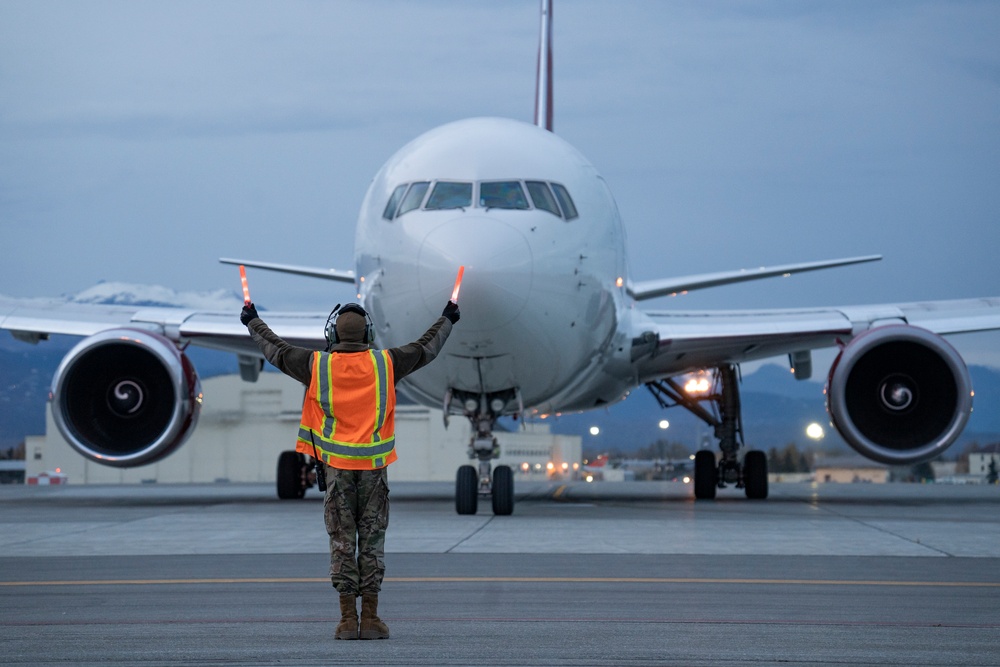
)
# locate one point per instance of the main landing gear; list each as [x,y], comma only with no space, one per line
[295,474]
[710,474]
[484,481]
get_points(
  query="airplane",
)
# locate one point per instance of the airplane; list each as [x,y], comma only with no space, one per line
[551,322]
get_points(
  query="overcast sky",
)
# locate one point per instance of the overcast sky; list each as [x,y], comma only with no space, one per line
[140,141]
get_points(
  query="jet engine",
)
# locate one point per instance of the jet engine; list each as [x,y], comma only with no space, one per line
[899,394]
[125,397]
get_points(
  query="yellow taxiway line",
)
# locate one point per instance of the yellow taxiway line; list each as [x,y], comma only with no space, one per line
[516,580]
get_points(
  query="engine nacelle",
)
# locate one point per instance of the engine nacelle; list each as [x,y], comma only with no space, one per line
[899,394]
[125,397]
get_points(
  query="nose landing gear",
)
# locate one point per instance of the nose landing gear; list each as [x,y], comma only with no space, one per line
[472,483]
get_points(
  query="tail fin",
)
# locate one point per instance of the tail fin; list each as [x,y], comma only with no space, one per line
[543,81]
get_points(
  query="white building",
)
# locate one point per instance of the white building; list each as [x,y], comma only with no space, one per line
[979,464]
[245,426]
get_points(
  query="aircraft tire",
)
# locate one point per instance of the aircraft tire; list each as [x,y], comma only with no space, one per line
[755,474]
[466,490]
[706,475]
[289,477]
[503,491]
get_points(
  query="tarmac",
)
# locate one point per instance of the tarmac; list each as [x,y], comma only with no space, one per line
[634,573]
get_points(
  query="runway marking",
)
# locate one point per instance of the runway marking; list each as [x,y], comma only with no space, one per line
[582,620]
[558,492]
[526,580]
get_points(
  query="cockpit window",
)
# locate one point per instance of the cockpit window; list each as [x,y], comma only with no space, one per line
[502,194]
[542,197]
[390,208]
[565,201]
[414,196]
[447,194]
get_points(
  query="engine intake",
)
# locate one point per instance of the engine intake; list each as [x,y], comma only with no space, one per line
[899,394]
[125,397]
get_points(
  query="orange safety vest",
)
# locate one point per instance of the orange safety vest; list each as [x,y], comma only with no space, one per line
[348,416]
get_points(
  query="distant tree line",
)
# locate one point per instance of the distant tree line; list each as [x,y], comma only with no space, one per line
[663,449]
[659,449]
[789,459]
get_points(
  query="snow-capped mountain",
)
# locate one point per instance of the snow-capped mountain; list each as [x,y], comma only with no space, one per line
[128,294]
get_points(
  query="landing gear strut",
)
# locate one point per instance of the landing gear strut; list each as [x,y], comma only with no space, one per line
[750,474]
[471,482]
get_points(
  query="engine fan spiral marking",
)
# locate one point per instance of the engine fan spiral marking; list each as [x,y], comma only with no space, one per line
[898,393]
[126,398]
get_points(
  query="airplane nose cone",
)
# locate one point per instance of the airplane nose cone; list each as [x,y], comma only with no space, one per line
[497,280]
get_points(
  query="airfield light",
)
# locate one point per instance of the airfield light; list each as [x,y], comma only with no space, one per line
[664,424]
[814,431]
[619,282]
[576,466]
[550,466]
[525,466]
[565,466]
[687,480]
[590,478]
[538,466]
[594,430]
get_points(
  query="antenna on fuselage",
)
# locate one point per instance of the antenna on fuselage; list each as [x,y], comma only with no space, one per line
[543,79]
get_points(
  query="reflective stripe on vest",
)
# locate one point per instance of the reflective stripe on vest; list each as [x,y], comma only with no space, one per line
[348,417]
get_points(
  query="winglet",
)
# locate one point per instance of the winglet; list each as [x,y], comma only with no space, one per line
[543,79]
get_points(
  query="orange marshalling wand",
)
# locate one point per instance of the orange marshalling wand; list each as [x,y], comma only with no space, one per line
[246,287]
[458,284]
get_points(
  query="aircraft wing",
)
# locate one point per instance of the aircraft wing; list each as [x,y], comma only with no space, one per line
[32,320]
[311,271]
[679,341]
[649,289]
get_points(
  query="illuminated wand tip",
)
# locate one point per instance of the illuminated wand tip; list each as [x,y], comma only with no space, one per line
[458,284]
[246,287]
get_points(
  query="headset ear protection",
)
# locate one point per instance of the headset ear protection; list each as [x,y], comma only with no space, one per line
[330,331]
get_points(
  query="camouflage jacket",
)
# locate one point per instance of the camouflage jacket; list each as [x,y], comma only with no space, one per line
[295,361]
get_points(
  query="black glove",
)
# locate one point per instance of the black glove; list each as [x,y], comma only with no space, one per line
[249,313]
[451,312]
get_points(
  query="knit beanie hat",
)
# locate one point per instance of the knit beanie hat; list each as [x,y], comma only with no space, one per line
[351,327]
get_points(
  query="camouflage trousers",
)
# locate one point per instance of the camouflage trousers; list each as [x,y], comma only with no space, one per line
[356,511]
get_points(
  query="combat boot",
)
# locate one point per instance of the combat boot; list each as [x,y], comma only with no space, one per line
[372,626]
[348,626]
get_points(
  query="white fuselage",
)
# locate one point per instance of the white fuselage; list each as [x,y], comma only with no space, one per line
[543,304]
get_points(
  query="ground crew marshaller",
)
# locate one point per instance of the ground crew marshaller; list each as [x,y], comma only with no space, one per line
[348,420]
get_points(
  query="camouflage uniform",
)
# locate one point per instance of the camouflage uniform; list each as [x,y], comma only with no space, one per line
[356,510]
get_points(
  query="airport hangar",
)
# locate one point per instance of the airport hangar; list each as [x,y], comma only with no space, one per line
[244,426]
